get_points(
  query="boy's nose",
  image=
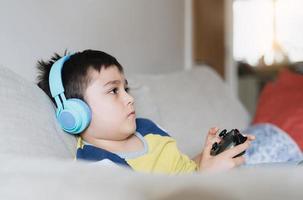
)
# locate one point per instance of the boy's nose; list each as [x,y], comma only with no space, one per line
[129,99]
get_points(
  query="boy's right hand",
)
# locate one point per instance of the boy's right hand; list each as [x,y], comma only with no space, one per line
[225,160]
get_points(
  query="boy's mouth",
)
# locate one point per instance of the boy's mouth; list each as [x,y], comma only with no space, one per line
[132,113]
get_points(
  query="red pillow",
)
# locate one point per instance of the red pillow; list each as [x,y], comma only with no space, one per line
[281,103]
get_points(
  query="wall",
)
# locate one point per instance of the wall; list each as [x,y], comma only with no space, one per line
[144,35]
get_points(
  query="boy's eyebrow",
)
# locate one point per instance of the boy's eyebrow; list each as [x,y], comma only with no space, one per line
[114,82]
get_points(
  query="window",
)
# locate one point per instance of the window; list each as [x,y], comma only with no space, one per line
[264,26]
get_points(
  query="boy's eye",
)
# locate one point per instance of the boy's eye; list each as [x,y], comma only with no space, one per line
[114,91]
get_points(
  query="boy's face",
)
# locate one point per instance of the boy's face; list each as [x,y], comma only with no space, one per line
[113,113]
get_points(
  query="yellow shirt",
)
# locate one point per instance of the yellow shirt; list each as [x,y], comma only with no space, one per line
[160,154]
[163,156]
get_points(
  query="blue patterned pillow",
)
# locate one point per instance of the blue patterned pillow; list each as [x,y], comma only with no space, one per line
[271,145]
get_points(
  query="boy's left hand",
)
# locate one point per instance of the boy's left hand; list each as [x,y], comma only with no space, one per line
[223,161]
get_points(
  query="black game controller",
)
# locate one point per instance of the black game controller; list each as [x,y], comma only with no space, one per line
[228,140]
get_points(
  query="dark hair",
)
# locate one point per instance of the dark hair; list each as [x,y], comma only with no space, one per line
[75,77]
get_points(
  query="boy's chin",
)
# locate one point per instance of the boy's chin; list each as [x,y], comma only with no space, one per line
[132,129]
[129,127]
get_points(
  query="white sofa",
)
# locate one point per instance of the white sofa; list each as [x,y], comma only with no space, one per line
[37,157]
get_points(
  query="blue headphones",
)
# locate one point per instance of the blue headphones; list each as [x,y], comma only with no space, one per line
[74,115]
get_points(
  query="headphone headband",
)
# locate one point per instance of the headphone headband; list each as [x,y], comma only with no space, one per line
[74,115]
[55,79]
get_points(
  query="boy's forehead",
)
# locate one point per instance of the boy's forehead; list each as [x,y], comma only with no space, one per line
[107,75]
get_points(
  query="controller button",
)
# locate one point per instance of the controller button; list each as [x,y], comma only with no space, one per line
[215,146]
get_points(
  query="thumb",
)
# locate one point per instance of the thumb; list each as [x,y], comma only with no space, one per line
[211,134]
[210,139]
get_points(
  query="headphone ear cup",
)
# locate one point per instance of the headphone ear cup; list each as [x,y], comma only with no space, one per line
[75,117]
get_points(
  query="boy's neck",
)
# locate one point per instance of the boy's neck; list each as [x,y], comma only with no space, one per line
[132,143]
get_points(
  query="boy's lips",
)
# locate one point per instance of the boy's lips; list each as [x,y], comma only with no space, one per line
[131,113]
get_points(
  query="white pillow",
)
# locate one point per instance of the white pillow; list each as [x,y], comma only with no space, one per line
[191,102]
[27,122]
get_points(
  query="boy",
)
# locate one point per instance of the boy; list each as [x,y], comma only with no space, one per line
[113,134]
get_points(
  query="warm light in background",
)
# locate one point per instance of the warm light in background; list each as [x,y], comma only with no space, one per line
[254,29]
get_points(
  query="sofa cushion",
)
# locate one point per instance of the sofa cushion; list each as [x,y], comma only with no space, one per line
[27,124]
[191,102]
[281,103]
[38,179]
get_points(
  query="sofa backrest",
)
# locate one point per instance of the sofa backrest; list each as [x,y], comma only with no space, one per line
[185,103]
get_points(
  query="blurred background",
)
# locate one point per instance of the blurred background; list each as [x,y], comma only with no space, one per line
[263,37]
[246,41]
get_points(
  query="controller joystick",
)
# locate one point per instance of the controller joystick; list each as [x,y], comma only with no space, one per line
[223,133]
[228,140]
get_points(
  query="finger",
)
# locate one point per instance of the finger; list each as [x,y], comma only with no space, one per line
[211,134]
[212,131]
[239,161]
[209,145]
[236,150]
[251,137]
[210,140]
[211,137]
